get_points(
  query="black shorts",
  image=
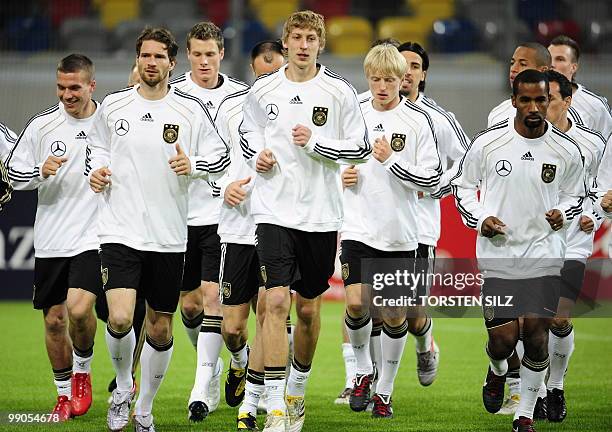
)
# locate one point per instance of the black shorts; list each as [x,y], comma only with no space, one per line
[572,277]
[517,297]
[353,252]
[203,256]
[53,277]
[426,262]
[158,274]
[288,255]
[239,279]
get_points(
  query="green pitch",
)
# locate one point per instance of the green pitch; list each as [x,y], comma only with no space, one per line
[452,403]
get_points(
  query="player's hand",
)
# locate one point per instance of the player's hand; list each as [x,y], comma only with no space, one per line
[606,202]
[420,194]
[99,179]
[586,224]
[265,161]
[234,193]
[180,164]
[554,219]
[301,135]
[51,165]
[349,176]
[382,150]
[492,226]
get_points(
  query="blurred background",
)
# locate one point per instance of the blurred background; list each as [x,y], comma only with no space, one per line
[470,43]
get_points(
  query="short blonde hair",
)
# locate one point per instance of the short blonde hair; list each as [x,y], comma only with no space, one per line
[386,60]
[306,20]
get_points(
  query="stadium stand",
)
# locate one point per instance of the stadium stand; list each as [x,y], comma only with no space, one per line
[348,36]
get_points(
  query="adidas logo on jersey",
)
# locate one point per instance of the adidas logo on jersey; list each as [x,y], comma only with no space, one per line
[209,105]
[295,101]
[527,156]
[379,128]
[81,135]
[147,117]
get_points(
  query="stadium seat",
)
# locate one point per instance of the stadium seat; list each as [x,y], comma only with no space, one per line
[586,11]
[125,35]
[534,11]
[598,37]
[349,36]
[481,11]
[59,10]
[454,36]
[436,9]
[84,34]
[164,10]
[273,12]
[405,29]
[328,8]
[28,33]
[545,31]
[493,36]
[217,11]
[179,27]
[112,12]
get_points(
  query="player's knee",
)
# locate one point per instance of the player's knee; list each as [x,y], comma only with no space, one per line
[79,314]
[120,321]
[536,346]
[160,332]
[55,322]
[191,309]
[308,313]
[233,329]
[276,303]
[501,346]
[356,309]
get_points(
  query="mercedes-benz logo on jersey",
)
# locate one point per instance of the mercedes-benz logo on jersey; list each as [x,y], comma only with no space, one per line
[272,111]
[58,148]
[122,127]
[503,167]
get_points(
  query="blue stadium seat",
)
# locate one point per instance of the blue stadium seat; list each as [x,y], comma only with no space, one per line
[454,35]
[535,11]
[28,34]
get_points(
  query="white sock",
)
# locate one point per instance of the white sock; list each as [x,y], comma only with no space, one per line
[498,367]
[298,377]
[121,348]
[154,363]
[513,380]
[81,364]
[62,379]
[393,341]
[275,383]
[520,349]
[240,357]
[350,364]
[560,348]
[192,327]
[532,378]
[209,347]
[359,330]
[423,339]
[253,390]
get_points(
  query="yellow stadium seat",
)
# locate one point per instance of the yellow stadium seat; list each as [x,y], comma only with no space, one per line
[405,29]
[435,9]
[349,36]
[112,12]
[273,12]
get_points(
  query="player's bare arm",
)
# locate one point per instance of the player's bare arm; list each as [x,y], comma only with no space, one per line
[492,226]
[382,150]
[554,218]
[51,165]
[234,193]
[350,176]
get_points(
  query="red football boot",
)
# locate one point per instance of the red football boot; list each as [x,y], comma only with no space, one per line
[81,393]
[62,411]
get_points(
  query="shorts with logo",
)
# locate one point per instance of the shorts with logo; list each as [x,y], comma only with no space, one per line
[203,256]
[53,277]
[287,255]
[240,275]
[353,252]
[158,274]
[572,278]
[536,296]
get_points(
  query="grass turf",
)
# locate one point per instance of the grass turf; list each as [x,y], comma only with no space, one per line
[452,403]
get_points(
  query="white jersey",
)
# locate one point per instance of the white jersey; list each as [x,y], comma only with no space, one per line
[501,112]
[66,215]
[592,145]
[145,206]
[204,202]
[601,185]
[7,141]
[381,209]
[236,224]
[591,110]
[452,145]
[520,180]
[303,190]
